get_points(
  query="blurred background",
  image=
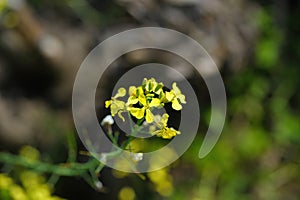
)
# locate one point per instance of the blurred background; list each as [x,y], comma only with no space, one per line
[255,44]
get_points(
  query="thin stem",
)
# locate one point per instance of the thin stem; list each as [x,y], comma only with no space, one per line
[53,180]
[134,130]
[63,169]
[72,147]
[110,135]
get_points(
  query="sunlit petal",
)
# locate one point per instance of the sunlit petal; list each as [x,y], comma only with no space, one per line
[121,92]
[152,129]
[176,105]
[137,112]
[149,116]
[143,100]
[107,103]
[114,109]
[155,102]
[132,91]
[176,89]
[181,98]
[121,117]
[170,95]
[119,104]
[132,100]
[164,119]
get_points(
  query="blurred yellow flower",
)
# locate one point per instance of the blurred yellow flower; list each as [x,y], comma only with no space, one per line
[5,181]
[126,193]
[3,4]
[162,182]
[30,153]
[33,187]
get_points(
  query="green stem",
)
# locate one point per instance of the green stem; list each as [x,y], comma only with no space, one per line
[134,130]
[63,169]
[72,147]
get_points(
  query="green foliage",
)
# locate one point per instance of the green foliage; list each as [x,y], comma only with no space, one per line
[267,49]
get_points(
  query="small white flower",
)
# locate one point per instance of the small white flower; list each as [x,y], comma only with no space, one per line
[98,185]
[108,120]
[137,157]
[103,158]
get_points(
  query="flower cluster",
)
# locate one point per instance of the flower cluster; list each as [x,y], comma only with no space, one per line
[143,99]
[26,184]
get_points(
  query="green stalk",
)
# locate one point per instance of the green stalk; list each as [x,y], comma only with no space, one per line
[63,169]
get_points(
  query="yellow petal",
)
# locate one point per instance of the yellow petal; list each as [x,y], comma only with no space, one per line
[167,133]
[121,92]
[119,104]
[164,119]
[107,103]
[155,102]
[137,112]
[121,117]
[132,100]
[164,133]
[161,121]
[149,116]
[142,99]
[140,91]
[145,81]
[152,80]
[148,86]
[162,97]
[157,133]
[170,95]
[176,89]
[132,91]
[176,105]
[114,109]
[177,132]
[152,129]
[158,90]
[157,119]
[116,105]
[149,95]
[181,98]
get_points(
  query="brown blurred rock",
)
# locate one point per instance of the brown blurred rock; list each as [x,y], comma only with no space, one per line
[226,29]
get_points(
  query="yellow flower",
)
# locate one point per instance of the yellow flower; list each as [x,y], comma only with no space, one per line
[173,97]
[126,193]
[162,181]
[164,131]
[152,86]
[30,153]
[139,113]
[117,106]
[5,181]
[167,133]
[3,5]
[32,187]
[142,99]
[133,95]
